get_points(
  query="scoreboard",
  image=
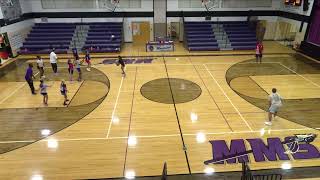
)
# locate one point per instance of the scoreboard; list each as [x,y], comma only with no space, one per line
[293,2]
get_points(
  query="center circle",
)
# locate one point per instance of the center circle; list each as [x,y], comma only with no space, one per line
[170,90]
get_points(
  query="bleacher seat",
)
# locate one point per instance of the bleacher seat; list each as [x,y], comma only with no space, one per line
[240,35]
[200,37]
[104,37]
[45,36]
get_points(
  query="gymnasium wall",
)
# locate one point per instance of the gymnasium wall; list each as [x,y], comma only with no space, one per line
[85,6]
[17,32]
[223,5]
[277,28]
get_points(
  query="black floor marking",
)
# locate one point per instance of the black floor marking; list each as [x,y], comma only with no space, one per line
[75,94]
[175,109]
[134,88]
[225,119]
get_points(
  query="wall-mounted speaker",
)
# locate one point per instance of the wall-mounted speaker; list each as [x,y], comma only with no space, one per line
[306,5]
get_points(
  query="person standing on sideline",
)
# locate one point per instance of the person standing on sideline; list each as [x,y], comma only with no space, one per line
[275,103]
[29,78]
[259,51]
[40,66]
[53,61]
[123,65]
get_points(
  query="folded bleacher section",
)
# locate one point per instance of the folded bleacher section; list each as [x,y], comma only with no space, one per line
[200,36]
[104,37]
[240,35]
[207,36]
[45,36]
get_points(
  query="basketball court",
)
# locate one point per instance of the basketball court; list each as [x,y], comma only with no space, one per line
[164,111]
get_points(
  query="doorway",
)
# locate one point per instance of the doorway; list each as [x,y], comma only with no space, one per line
[140,32]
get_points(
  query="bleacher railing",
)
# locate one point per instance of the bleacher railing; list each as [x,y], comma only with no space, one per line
[247,174]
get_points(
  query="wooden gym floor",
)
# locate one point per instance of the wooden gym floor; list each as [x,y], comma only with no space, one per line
[119,126]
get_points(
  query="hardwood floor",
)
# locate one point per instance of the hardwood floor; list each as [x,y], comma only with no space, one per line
[111,130]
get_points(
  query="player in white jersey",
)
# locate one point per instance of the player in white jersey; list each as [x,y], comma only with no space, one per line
[275,103]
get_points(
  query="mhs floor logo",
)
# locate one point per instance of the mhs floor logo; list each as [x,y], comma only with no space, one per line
[273,150]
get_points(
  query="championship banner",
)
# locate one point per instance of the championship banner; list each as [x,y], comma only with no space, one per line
[5,48]
[159,47]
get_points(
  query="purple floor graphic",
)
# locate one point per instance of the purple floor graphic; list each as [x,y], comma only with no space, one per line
[129,61]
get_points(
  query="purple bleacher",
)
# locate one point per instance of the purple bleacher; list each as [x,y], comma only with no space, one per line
[45,42]
[43,51]
[202,43]
[243,47]
[200,36]
[117,33]
[103,45]
[202,48]
[102,41]
[45,36]
[49,38]
[52,31]
[40,46]
[240,35]
[104,37]
[50,34]
[103,50]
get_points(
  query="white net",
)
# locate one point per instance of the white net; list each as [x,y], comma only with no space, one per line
[109,4]
[210,4]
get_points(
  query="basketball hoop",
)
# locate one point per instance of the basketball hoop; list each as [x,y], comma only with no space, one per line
[210,4]
[204,2]
[111,4]
[115,2]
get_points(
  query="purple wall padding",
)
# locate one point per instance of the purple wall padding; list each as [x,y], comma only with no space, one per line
[314,33]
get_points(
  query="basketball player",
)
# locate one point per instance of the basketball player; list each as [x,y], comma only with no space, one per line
[70,69]
[259,51]
[29,78]
[275,103]
[40,66]
[43,91]
[63,90]
[123,65]
[78,67]
[53,61]
[88,60]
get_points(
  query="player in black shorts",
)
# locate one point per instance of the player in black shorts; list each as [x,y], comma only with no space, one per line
[123,65]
